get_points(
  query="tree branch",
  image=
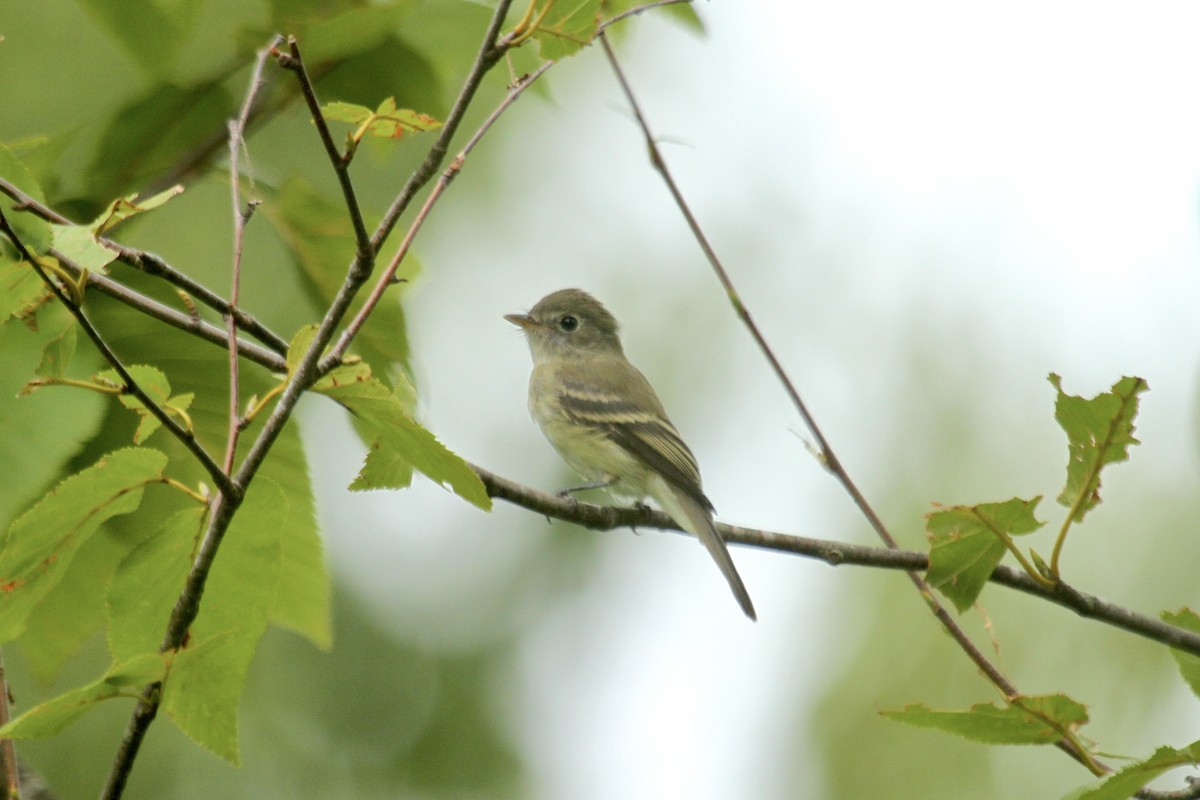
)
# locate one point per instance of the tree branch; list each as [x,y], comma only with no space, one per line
[157,267]
[834,553]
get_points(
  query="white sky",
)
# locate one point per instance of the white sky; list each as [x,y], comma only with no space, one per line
[880,178]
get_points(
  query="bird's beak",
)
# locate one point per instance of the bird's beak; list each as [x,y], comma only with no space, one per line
[523,321]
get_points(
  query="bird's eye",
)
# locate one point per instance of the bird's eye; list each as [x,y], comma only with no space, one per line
[568,323]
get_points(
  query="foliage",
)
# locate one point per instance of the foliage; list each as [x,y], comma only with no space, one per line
[113,521]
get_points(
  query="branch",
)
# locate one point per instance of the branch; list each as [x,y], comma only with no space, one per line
[835,553]
[157,267]
[341,165]
[186,437]
[176,319]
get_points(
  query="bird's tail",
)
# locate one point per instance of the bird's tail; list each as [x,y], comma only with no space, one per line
[697,520]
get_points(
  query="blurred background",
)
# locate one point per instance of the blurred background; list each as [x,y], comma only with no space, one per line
[927,209]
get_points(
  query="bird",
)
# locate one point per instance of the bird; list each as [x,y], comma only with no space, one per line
[607,423]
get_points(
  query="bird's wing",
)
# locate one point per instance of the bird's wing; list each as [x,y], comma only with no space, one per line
[639,426]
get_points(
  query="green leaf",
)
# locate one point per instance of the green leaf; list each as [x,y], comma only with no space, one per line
[967,544]
[401,439]
[1042,723]
[298,346]
[58,352]
[386,121]
[78,243]
[74,609]
[148,581]
[155,384]
[38,547]
[205,682]
[123,208]
[567,27]
[32,230]
[196,367]
[20,288]
[1126,781]
[1189,665]
[1099,432]
[122,680]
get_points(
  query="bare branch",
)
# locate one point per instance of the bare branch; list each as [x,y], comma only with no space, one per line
[341,165]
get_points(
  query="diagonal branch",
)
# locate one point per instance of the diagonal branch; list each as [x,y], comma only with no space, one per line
[156,266]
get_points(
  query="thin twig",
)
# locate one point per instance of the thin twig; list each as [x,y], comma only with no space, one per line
[186,437]
[241,216]
[341,166]
[982,663]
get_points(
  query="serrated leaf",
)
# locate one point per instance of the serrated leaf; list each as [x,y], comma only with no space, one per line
[992,724]
[299,345]
[404,440]
[38,547]
[1099,432]
[967,544]
[303,597]
[386,121]
[78,243]
[155,384]
[121,680]
[1189,665]
[205,682]
[567,27]
[1126,782]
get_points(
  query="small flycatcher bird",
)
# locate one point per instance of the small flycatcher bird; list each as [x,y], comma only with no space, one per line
[604,419]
